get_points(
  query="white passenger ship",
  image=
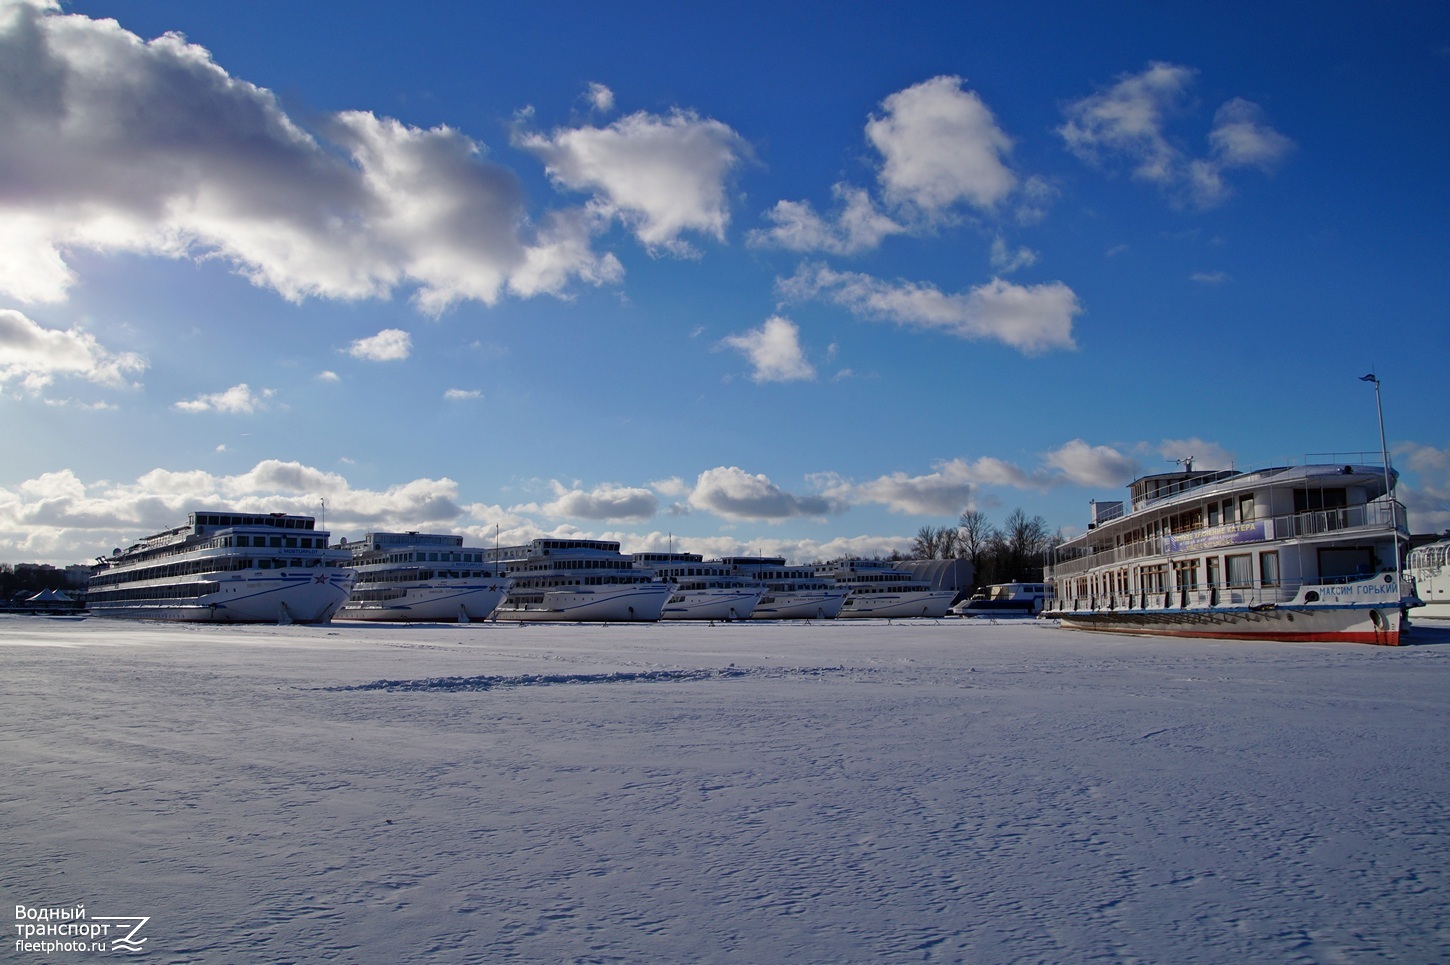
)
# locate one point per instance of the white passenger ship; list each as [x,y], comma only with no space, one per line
[1429,567]
[702,590]
[1288,553]
[791,592]
[577,580]
[226,568]
[878,589]
[422,577]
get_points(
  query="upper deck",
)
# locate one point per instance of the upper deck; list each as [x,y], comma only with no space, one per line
[1186,512]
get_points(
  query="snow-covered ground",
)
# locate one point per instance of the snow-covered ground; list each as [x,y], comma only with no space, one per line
[843,792]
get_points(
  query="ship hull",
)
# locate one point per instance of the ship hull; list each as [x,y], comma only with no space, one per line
[1310,624]
[712,605]
[643,603]
[441,602]
[306,596]
[883,606]
[799,606]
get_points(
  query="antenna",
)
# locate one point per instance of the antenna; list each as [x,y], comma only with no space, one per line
[1186,462]
[322,514]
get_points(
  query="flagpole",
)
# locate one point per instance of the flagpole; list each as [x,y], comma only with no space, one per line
[1385,462]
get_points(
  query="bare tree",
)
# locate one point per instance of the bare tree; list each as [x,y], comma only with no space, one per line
[934,543]
[1025,541]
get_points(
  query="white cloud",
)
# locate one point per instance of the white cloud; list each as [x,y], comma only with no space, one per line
[118,144]
[735,494]
[389,345]
[607,502]
[328,376]
[673,487]
[945,492]
[940,146]
[1205,455]
[600,98]
[1424,486]
[57,517]
[35,355]
[1130,120]
[1209,277]
[1240,138]
[238,400]
[1032,319]
[774,350]
[940,149]
[462,395]
[857,225]
[1005,261]
[663,176]
[1087,465]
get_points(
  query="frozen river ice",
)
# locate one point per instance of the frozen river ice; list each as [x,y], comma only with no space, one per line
[842,792]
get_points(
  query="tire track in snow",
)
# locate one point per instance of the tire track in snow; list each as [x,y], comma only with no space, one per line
[498,682]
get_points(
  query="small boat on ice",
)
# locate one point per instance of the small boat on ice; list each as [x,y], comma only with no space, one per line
[1004,600]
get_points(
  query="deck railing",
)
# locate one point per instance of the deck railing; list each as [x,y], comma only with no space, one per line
[1197,597]
[1379,515]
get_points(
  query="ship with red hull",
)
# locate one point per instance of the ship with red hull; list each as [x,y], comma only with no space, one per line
[1293,553]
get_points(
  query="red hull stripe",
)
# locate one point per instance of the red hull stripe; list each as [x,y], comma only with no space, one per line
[1384,638]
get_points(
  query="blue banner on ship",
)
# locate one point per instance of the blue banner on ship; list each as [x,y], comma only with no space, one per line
[1226,535]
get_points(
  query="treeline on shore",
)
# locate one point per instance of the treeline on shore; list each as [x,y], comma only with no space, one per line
[31,578]
[1014,552]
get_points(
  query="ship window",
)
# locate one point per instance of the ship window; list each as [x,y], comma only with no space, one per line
[1343,563]
[1246,507]
[244,541]
[1228,510]
[1311,499]
[1240,569]
[1213,514]
[275,541]
[1269,568]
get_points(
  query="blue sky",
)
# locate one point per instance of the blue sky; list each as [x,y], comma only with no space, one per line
[786,277]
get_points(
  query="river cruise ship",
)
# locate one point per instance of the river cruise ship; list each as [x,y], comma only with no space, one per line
[878,589]
[422,577]
[584,580]
[1429,567]
[1287,553]
[702,590]
[791,592]
[223,567]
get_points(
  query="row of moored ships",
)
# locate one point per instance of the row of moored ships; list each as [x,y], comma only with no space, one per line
[276,568]
[1309,553]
